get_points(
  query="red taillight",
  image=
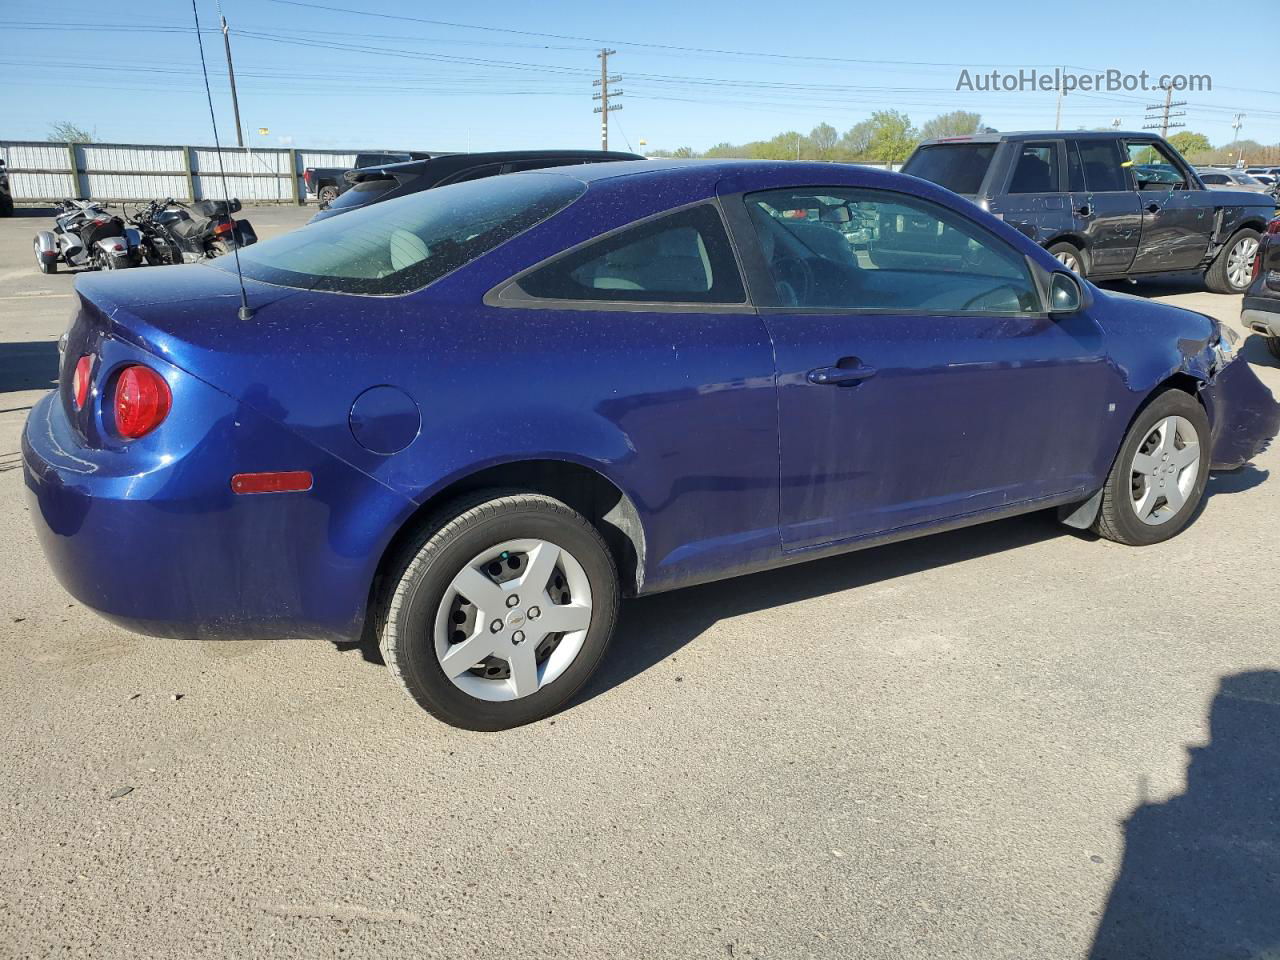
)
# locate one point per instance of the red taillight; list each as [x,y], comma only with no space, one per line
[224,227]
[80,381]
[142,401]
[306,177]
[1273,227]
[1257,265]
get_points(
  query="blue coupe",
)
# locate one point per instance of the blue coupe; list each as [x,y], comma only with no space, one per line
[467,421]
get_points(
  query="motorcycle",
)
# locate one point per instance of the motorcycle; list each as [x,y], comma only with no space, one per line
[174,232]
[84,234]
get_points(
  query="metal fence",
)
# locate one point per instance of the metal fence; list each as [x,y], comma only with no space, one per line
[129,171]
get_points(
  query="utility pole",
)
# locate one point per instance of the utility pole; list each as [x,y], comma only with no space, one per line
[603,96]
[231,72]
[1057,119]
[1163,114]
[1236,123]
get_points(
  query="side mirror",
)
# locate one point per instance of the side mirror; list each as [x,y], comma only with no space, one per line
[1065,295]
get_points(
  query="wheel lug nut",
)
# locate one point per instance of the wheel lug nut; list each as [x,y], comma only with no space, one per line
[496,626]
[517,638]
[512,600]
[534,613]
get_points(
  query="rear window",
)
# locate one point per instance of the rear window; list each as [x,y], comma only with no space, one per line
[960,167]
[406,243]
[366,191]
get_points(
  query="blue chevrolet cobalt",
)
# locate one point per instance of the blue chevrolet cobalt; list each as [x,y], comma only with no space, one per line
[467,421]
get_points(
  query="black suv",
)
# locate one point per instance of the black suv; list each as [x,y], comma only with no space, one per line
[375,184]
[1108,205]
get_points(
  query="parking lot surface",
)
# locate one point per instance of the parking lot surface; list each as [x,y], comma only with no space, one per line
[971,745]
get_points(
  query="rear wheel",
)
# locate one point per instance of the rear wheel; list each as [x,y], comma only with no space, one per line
[1071,257]
[1273,344]
[6,205]
[500,612]
[1232,269]
[1159,476]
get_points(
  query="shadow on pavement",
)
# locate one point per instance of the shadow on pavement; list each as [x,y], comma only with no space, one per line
[1255,350]
[33,212]
[28,366]
[1200,877]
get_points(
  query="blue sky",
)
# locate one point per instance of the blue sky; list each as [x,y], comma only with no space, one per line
[694,72]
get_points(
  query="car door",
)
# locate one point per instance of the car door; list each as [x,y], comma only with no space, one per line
[1176,224]
[1036,195]
[1107,211]
[919,378]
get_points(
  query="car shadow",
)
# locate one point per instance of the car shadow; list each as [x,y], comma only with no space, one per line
[651,629]
[29,365]
[1198,877]
[33,212]
[1255,351]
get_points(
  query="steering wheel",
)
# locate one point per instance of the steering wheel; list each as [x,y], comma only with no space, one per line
[795,274]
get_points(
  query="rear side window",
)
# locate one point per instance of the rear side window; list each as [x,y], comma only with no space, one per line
[960,167]
[366,191]
[681,258]
[1036,170]
[392,248]
[1102,169]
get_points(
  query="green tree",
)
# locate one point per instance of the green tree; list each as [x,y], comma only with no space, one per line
[856,141]
[957,123]
[892,136]
[67,132]
[1188,142]
[824,139]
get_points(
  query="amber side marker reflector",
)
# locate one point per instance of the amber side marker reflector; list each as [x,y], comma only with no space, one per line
[287,481]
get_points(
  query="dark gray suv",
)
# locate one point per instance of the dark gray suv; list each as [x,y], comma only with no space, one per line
[1109,205]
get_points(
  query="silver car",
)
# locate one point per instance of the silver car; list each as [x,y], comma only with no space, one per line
[1230,180]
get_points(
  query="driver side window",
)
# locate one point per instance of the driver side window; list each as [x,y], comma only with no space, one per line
[843,248]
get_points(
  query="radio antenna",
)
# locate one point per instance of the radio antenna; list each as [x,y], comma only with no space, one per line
[245,310]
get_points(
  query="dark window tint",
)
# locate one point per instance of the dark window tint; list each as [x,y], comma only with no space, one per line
[1102,169]
[475,173]
[389,248]
[681,258]
[837,247]
[1036,170]
[366,191]
[1215,178]
[1075,169]
[960,167]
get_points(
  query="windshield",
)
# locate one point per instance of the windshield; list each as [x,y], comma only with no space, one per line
[960,167]
[404,244]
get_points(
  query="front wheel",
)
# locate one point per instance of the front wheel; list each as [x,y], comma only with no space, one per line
[1232,268]
[1159,476]
[43,263]
[327,195]
[500,612]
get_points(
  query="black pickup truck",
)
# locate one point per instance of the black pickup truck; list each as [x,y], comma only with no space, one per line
[1109,205]
[326,183]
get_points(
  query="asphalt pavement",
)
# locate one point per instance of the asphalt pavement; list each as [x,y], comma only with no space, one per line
[971,745]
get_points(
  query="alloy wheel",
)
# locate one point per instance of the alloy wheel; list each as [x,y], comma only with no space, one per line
[1069,261]
[512,620]
[1164,470]
[1240,262]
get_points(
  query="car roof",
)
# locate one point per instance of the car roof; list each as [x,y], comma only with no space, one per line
[1043,135]
[502,156]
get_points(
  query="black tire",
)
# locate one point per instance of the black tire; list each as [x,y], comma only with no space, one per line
[1118,518]
[327,194]
[6,205]
[1081,257]
[1216,277]
[421,576]
[1273,344]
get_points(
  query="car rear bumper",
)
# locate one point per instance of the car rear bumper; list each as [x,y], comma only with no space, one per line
[164,547]
[1245,416]
[1261,315]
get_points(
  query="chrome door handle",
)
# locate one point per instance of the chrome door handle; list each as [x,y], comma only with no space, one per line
[838,376]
